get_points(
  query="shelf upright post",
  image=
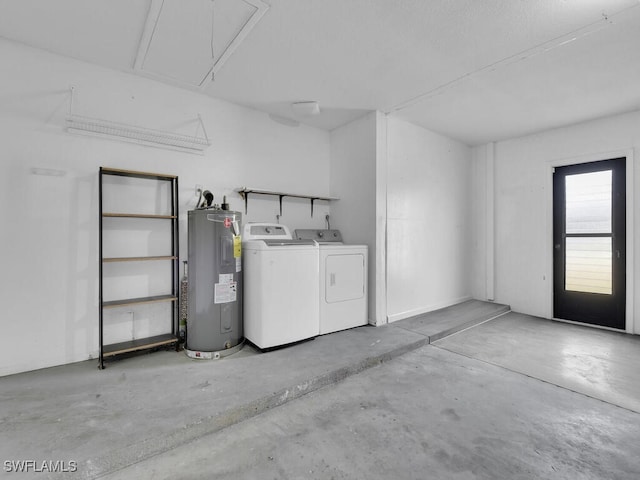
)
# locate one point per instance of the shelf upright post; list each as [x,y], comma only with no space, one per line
[100,298]
[175,244]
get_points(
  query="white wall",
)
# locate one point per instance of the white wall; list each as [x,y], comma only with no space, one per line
[353,181]
[49,233]
[428,220]
[522,205]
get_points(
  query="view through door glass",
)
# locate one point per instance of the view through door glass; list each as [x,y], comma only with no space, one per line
[589,243]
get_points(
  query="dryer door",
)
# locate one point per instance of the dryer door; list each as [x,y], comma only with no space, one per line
[345,277]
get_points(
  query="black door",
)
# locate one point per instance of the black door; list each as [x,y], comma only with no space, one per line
[589,236]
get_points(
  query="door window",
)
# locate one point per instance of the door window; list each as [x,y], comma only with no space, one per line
[588,232]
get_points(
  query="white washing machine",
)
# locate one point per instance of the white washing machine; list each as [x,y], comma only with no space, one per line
[343,280]
[281,285]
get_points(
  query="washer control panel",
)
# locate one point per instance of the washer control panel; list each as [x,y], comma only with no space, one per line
[266,231]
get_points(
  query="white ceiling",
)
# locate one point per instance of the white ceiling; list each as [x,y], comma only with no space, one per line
[474,70]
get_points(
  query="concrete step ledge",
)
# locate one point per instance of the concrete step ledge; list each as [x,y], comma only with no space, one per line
[472,323]
[443,322]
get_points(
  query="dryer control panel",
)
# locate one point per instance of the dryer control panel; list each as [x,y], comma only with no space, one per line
[320,236]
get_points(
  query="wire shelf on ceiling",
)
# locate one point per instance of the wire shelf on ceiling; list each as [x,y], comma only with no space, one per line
[141,135]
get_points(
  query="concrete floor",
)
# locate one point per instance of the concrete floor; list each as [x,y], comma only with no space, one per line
[430,414]
[420,411]
[599,363]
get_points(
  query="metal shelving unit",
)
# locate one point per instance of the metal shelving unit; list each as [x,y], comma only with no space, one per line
[155,341]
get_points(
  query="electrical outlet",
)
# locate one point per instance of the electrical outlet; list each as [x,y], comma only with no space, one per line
[133,324]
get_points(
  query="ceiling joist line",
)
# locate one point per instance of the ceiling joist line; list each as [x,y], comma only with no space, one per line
[604,22]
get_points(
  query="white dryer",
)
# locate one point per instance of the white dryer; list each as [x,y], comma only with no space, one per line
[343,292]
[281,285]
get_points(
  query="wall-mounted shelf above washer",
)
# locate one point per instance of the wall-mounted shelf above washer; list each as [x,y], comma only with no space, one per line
[245,191]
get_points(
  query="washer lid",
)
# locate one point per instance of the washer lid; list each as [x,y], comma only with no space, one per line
[280,245]
[287,243]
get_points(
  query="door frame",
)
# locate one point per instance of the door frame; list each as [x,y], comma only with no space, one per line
[630,325]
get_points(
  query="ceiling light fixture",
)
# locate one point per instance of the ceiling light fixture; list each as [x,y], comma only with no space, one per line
[305,109]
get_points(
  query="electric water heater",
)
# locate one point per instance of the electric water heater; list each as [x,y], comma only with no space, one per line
[214,312]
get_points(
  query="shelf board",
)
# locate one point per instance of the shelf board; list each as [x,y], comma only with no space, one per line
[140,300]
[138,259]
[245,190]
[133,173]
[137,215]
[138,344]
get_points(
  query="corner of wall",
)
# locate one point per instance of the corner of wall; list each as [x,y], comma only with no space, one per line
[483,221]
[380,306]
